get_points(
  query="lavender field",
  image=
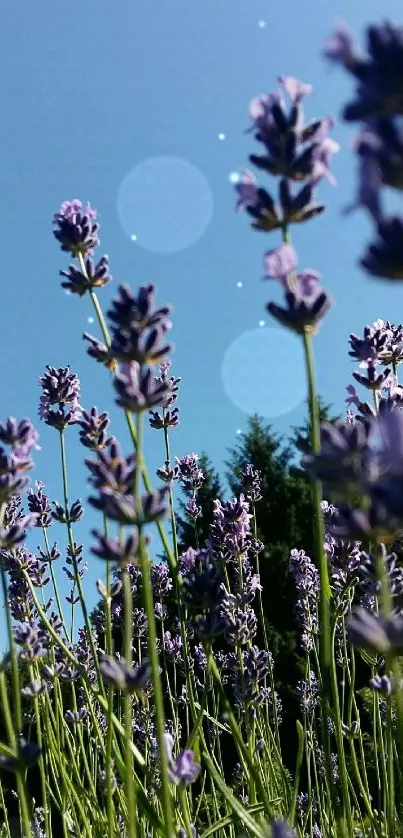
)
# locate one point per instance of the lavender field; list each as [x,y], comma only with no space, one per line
[165,711]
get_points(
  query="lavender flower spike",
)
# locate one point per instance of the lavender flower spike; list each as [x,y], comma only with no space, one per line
[122,677]
[183,769]
[379,634]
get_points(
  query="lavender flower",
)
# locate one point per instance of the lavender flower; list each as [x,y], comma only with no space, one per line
[293,151]
[306,303]
[94,428]
[79,280]
[279,829]
[27,755]
[378,93]
[59,387]
[138,390]
[127,679]
[75,228]
[384,257]
[123,508]
[182,769]
[114,550]
[379,634]
[39,504]
[191,477]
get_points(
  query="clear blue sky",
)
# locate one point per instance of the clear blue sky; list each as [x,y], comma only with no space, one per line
[91,92]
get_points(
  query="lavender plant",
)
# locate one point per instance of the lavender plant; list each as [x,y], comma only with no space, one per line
[160,714]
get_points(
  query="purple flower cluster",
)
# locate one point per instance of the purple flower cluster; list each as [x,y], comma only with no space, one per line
[378,106]
[295,153]
[306,580]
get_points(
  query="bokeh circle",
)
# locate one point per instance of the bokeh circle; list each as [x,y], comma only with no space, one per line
[263,372]
[165,204]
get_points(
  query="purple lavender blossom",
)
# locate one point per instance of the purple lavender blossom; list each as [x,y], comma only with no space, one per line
[59,387]
[114,549]
[308,694]
[182,769]
[292,150]
[378,93]
[306,579]
[39,504]
[252,483]
[191,477]
[75,229]
[21,436]
[79,281]
[122,508]
[384,257]
[138,390]
[94,426]
[306,303]
[375,633]
[28,755]
[167,473]
[279,829]
[367,349]
[127,679]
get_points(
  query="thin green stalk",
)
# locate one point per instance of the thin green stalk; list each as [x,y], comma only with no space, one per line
[185,812]
[329,685]
[148,601]
[76,571]
[129,785]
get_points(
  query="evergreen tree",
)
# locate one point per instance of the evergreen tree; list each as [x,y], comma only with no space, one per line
[284,521]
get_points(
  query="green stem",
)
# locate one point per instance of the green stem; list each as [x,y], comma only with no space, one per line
[148,600]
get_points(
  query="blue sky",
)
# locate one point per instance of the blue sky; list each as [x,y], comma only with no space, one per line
[118,103]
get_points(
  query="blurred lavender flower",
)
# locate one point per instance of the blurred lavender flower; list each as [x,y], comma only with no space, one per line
[292,150]
[344,457]
[123,508]
[375,633]
[382,684]
[114,549]
[137,389]
[112,471]
[378,92]
[30,639]
[127,679]
[100,352]
[138,328]
[27,756]
[384,257]
[21,436]
[34,689]
[75,229]
[182,769]
[279,829]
